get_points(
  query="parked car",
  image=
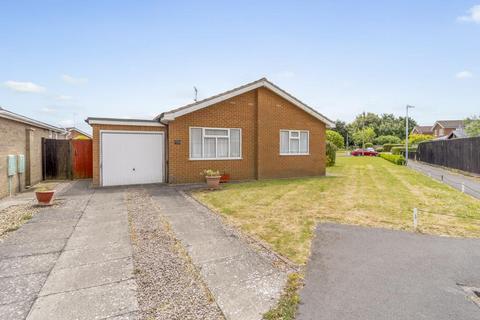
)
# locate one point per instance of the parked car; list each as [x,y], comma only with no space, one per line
[369,152]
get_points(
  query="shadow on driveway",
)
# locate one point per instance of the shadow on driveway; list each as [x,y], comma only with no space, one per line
[365,273]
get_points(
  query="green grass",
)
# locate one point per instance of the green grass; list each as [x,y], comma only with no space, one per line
[287,305]
[358,190]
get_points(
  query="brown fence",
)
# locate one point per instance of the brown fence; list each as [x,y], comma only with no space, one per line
[66,159]
[461,154]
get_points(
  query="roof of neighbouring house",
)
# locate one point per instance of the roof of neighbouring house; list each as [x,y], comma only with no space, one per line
[4,113]
[457,133]
[123,121]
[450,123]
[423,129]
[263,82]
[69,129]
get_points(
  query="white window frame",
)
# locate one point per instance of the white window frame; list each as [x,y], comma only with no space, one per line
[290,138]
[216,146]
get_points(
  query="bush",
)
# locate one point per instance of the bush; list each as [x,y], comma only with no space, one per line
[417,138]
[401,150]
[387,139]
[331,153]
[368,145]
[396,159]
[379,149]
[388,146]
[336,138]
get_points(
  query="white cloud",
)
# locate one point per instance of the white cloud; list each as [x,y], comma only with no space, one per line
[63,98]
[73,80]
[464,74]
[66,123]
[20,86]
[473,15]
[48,110]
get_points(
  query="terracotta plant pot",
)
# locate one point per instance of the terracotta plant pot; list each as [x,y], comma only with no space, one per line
[44,197]
[224,178]
[213,182]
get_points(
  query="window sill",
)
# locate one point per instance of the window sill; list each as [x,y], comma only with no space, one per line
[210,159]
[294,154]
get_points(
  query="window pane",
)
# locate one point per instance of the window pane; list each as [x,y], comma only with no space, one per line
[209,148]
[222,145]
[216,132]
[294,145]
[303,142]
[196,143]
[235,143]
[283,141]
[294,134]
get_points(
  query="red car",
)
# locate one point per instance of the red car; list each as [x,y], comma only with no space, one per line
[369,152]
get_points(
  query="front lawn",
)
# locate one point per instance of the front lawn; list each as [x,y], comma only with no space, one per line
[358,190]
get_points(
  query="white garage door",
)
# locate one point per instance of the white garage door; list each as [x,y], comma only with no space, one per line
[132,157]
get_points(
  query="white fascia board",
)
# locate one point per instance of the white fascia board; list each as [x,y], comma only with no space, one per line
[126,123]
[34,123]
[266,84]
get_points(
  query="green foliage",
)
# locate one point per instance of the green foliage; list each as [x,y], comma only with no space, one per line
[388,147]
[396,159]
[331,151]
[401,150]
[383,125]
[379,149]
[417,138]
[472,126]
[210,173]
[381,140]
[342,128]
[363,136]
[289,300]
[335,138]
[368,145]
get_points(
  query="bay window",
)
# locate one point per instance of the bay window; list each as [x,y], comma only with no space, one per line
[215,143]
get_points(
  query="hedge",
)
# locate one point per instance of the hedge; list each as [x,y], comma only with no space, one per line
[368,145]
[401,150]
[388,146]
[331,151]
[396,159]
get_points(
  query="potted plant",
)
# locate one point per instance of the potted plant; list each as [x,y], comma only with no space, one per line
[212,177]
[44,196]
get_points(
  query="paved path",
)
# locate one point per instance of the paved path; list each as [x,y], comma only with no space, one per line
[243,281]
[71,262]
[364,273]
[472,185]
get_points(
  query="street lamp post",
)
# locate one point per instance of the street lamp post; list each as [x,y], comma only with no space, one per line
[406,132]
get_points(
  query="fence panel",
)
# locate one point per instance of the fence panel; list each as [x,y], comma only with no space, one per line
[56,159]
[82,159]
[461,154]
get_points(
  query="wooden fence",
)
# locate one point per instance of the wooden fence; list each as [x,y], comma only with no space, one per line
[462,154]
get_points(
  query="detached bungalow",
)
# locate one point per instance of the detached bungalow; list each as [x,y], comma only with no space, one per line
[255,131]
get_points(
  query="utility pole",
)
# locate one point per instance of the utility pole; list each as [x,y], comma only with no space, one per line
[196,93]
[347,145]
[406,132]
[363,133]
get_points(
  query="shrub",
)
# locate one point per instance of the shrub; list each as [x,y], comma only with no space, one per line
[401,150]
[368,145]
[417,138]
[336,138]
[387,139]
[331,153]
[396,159]
[388,146]
[379,149]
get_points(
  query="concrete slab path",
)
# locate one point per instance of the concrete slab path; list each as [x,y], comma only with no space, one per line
[245,282]
[365,273]
[71,262]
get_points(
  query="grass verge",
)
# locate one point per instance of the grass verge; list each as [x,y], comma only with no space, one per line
[287,305]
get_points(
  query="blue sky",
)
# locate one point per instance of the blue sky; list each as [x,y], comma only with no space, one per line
[62,61]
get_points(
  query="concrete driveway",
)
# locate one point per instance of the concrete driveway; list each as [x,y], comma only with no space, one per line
[365,273]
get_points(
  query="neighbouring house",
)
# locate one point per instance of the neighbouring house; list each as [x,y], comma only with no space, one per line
[443,128]
[77,134]
[21,137]
[422,130]
[455,134]
[256,131]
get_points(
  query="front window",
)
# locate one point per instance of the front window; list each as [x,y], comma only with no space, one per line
[294,142]
[215,143]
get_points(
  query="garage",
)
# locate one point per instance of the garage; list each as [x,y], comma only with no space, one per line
[131,157]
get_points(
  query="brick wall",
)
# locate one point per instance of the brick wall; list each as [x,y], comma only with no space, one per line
[260,139]
[16,137]
[96,143]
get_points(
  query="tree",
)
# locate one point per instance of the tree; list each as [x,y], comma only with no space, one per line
[417,138]
[363,136]
[341,127]
[472,126]
[387,139]
[384,125]
[335,138]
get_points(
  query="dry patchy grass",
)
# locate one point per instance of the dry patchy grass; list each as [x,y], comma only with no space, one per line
[361,191]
